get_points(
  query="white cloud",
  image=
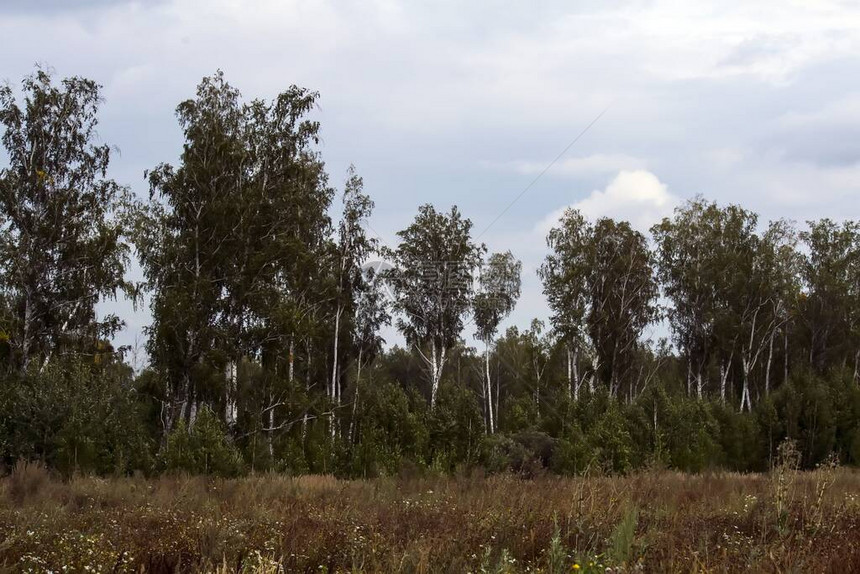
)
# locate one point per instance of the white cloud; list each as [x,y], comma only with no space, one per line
[634,196]
[577,166]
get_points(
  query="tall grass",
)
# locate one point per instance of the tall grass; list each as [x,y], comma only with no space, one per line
[652,522]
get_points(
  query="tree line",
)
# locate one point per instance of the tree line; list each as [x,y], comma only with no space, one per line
[265,352]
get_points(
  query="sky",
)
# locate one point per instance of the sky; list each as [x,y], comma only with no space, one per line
[470,103]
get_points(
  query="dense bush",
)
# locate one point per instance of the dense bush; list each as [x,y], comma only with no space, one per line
[204,449]
[75,417]
[79,417]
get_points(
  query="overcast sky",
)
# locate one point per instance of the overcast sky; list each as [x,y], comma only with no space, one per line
[467,102]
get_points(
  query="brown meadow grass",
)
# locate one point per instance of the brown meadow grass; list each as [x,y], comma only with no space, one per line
[651,522]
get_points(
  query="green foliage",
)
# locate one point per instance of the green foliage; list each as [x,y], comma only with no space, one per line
[622,538]
[520,414]
[205,449]
[76,417]
[556,556]
[387,431]
[610,440]
[267,318]
[689,430]
[431,280]
[572,456]
[526,453]
[455,428]
[61,223]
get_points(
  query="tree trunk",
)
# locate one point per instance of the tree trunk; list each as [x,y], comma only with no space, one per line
[25,342]
[192,413]
[857,365]
[689,376]
[271,430]
[570,392]
[699,384]
[769,362]
[305,417]
[725,368]
[355,398]
[491,427]
[745,395]
[181,406]
[613,372]
[498,385]
[334,391]
[291,361]
[437,363]
[595,368]
[230,406]
[433,375]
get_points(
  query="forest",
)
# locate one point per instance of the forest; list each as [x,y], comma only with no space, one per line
[265,350]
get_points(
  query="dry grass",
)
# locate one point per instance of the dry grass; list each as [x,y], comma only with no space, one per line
[652,522]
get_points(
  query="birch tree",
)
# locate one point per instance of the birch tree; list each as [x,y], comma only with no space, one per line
[831,281]
[622,291]
[62,246]
[184,241]
[371,314]
[757,287]
[564,275]
[233,244]
[499,288]
[353,247]
[688,267]
[779,266]
[432,283]
[538,349]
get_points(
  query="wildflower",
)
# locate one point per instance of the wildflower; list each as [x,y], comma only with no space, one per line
[576,566]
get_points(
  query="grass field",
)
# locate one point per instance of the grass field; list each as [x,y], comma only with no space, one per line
[650,522]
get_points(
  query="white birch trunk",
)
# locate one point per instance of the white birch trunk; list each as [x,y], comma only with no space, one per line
[699,385]
[271,430]
[335,374]
[498,384]
[745,395]
[230,407]
[355,397]
[491,427]
[433,375]
[437,363]
[769,363]
[192,414]
[570,392]
[335,382]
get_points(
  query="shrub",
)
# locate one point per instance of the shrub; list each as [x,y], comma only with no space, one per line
[205,449]
[27,480]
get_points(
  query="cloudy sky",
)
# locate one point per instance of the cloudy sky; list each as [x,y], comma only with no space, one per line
[467,103]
